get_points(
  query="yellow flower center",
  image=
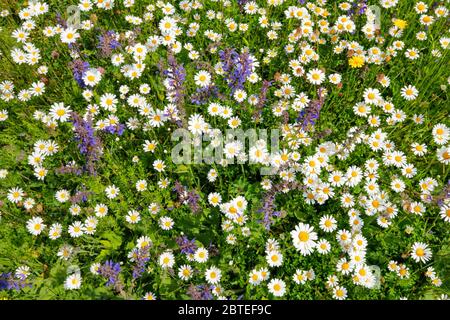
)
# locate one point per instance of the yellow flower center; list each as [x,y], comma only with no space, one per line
[303,236]
[420,252]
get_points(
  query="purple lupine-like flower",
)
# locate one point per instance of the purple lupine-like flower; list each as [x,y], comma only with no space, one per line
[115,129]
[242,2]
[268,201]
[190,198]
[80,196]
[107,43]
[237,67]
[193,292]
[9,282]
[443,197]
[358,8]
[308,117]
[228,57]
[203,94]
[59,20]
[268,208]
[79,67]
[140,256]
[88,143]
[213,250]
[110,270]
[262,98]
[200,292]
[447,190]
[206,292]
[176,76]
[363,7]
[186,246]
[69,169]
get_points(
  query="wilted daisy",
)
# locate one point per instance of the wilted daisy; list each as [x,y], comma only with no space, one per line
[163,183]
[65,252]
[3,173]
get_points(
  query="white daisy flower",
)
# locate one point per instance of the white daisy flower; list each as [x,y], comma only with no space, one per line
[277,287]
[35,225]
[73,282]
